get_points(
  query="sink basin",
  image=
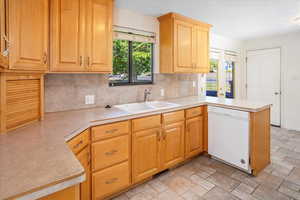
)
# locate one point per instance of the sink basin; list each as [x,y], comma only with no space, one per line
[145,106]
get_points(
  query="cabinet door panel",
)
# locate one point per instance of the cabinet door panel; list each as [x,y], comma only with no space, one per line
[67,50]
[183,47]
[173,145]
[85,187]
[28,34]
[99,39]
[194,136]
[201,52]
[145,154]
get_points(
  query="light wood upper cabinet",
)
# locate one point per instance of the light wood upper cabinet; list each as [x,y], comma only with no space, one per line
[24,34]
[99,35]
[145,155]
[172,149]
[68,35]
[81,35]
[201,49]
[184,45]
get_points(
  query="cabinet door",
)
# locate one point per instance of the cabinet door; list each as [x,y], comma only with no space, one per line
[3,34]
[172,151]
[194,136]
[68,36]
[145,156]
[183,46]
[85,187]
[28,34]
[99,35]
[201,49]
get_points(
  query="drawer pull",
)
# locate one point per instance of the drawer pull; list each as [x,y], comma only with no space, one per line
[110,153]
[111,181]
[111,131]
[78,144]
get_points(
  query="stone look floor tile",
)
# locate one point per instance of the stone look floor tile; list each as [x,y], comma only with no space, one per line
[268,180]
[223,181]
[218,194]
[178,184]
[295,176]
[157,185]
[242,195]
[245,188]
[290,189]
[202,182]
[267,193]
[168,195]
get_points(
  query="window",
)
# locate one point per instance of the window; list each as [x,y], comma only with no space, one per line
[212,78]
[132,63]
[229,71]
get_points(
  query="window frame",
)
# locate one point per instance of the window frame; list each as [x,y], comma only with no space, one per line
[132,78]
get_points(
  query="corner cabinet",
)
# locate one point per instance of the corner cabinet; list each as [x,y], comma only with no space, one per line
[24,29]
[184,45]
[81,33]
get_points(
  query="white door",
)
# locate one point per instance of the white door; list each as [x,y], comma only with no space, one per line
[263,79]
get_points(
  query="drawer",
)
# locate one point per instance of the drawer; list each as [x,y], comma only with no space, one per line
[110,180]
[172,117]
[110,130]
[194,112]
[79,142]
[146,123]
[108,152]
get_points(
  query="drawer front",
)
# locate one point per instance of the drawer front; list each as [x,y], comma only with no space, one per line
[110,180]
[194,112]
[80,141]
[146,123]
[109,152]
[172,117]
[110,130]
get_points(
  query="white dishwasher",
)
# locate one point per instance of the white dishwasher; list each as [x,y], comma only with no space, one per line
[228,136]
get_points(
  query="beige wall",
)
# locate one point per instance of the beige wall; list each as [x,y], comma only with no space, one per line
[67,92]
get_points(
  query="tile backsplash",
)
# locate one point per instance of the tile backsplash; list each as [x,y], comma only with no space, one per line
[68,91]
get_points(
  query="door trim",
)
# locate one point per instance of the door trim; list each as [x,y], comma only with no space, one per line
[281,109]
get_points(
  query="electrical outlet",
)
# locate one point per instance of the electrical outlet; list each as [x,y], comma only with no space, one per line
[89,99]
[194,83]
[162,92]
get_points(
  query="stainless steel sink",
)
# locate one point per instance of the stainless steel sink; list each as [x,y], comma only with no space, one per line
[145,106]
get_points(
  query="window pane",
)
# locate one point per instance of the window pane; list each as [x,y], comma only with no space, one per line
[212,78]
[229,67]
[142,61]
[120,61]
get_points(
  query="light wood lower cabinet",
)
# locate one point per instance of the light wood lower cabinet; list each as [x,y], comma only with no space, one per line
[127,152]
[111,160]
[146,145]
[110,152]
[71,193]
[81,148]
[194,136]
[172,145]
[85,159]
[111,180]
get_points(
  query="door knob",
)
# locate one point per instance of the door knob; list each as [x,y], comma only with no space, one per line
[277,93]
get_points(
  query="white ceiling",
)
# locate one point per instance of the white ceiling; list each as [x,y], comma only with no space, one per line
[237,19]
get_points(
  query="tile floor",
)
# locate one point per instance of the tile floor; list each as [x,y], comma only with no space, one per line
[207,179]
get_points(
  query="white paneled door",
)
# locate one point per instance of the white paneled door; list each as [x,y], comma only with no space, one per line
[263,79]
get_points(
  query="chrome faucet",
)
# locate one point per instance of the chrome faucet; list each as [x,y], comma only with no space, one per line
[147,92]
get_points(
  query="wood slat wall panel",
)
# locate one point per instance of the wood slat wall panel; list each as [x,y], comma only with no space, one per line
[23,100]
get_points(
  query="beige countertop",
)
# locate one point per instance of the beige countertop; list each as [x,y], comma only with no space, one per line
[36,156]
